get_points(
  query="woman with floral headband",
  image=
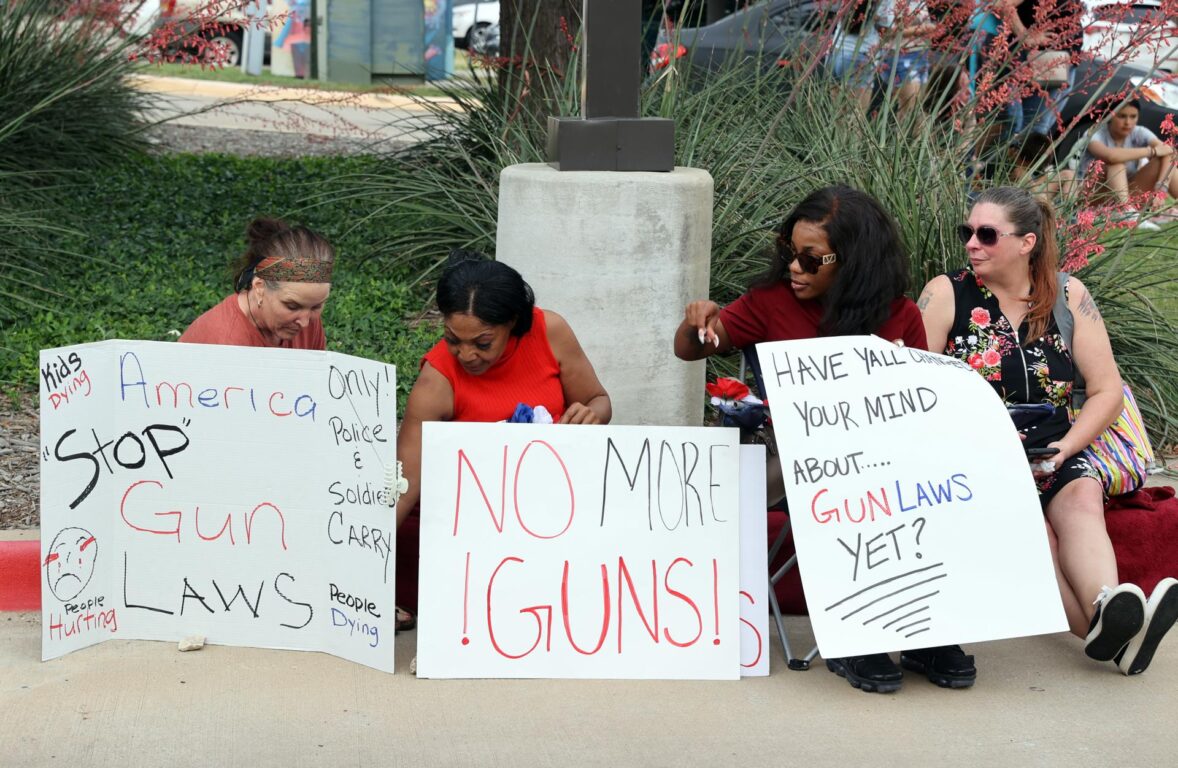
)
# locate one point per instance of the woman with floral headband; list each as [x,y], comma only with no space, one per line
[282,283]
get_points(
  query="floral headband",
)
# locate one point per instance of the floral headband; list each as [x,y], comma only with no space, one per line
[294,269]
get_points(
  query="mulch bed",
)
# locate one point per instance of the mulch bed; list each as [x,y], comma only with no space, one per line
[20,472]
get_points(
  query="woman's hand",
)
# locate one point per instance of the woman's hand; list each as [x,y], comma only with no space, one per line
[702,316]
[1046,466]
[579,413]
[701,333]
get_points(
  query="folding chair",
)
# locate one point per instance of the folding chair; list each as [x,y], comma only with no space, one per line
[749,362]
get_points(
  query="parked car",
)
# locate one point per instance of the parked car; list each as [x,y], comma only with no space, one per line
[226,32]
[472,18]
[1110,27]
[140,17]
[485,40]
[765,33]
[1097,85]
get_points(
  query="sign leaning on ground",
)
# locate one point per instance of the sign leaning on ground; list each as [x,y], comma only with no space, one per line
[573,551]
[916,518]
[232,493]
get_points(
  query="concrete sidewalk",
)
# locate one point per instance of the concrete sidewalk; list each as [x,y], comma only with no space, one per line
[1038,702]
[383,119]
[184,86]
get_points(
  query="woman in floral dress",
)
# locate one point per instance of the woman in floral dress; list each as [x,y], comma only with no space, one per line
[997,315]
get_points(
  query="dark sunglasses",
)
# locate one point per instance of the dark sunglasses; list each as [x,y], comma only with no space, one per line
[986,235]
[809,263]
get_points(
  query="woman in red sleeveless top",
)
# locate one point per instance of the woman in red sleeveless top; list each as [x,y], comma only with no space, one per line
[498,352]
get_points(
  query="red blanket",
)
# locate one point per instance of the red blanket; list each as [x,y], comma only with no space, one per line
[1144,529]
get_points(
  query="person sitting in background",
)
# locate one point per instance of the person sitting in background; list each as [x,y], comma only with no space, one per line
[1040,26]
[837,269]
[280,287]
[906,27]
[1133,160]
[1033,164]
[498,351]
[998,316]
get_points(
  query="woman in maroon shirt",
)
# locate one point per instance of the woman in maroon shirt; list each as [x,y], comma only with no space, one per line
[837,269]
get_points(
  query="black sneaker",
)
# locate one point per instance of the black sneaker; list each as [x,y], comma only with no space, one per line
[1160,613]
[1120,614]
[948,666]
[876,673]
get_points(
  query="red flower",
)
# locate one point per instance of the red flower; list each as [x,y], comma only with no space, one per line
[728,389]
[1167,127]
[975,361]
[980,317]
[991,357]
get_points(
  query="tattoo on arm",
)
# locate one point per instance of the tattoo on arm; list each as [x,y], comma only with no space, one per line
[923,301]
[1088,308]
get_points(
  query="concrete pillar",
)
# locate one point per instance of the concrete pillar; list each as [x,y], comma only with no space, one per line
[618,255]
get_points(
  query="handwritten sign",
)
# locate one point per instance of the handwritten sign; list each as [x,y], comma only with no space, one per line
[754,564]
[916,517]
[232,493]
[565,551]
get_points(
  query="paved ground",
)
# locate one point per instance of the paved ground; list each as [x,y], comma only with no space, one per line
[379,120]
[1038,702]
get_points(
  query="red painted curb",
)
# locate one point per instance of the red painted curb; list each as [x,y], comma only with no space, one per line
[20,576]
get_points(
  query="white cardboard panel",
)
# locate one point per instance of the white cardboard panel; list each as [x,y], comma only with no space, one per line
[228,492]
[754,566]
[915,515]
[573,551]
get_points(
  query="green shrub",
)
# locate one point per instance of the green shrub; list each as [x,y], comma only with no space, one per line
[161,232]
[65,98]
[767,138]
[65,104]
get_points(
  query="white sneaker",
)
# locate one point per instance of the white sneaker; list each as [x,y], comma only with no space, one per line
[1119,617]
[1160,614]
[1142,219]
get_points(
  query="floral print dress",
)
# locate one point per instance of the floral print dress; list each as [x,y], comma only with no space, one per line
[1041,372]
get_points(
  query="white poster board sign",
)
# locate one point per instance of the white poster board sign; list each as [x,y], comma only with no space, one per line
[574,551]
[754,564]
[915,515]
[227,492]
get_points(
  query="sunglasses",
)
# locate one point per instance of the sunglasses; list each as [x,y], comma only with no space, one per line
[986,235]
[809,263]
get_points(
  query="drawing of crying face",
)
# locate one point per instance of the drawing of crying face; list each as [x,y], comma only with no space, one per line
[70,562]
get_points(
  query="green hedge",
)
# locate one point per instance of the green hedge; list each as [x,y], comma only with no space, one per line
[154,238]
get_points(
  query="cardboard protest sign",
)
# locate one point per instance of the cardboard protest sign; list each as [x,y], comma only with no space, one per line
[233,493]
[575,551]
[915,515]
[754,564]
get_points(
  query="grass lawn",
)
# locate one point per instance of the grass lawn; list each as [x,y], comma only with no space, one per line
[154,240]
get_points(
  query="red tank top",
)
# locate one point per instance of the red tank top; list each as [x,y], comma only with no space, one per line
[526,373]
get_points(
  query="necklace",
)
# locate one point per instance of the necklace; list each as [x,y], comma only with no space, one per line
[249,307]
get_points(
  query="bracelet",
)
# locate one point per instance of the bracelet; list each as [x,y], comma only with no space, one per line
[1153,151]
